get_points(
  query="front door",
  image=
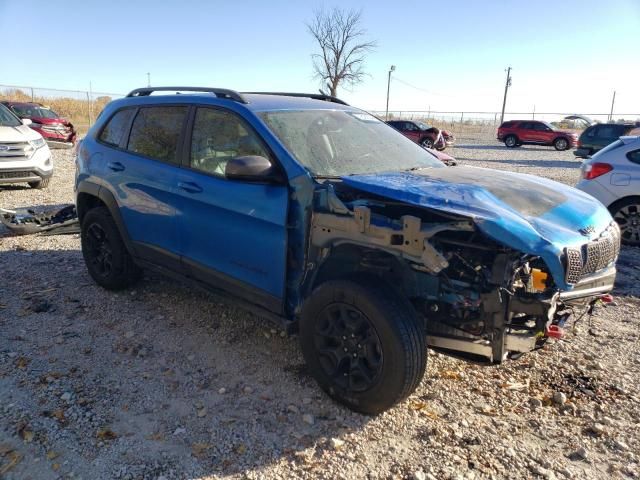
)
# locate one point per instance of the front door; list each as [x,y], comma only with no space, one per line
[233,233]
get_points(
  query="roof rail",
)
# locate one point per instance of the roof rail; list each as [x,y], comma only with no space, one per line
[315,96]
[218,92]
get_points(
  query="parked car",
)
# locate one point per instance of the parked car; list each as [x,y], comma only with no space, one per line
[423,134]
[612,175]
[515,133]
[24,155]
[319,216]
[598,136]
[57,131]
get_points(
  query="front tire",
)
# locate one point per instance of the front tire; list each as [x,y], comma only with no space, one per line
[511,141]
[426,143]
[39,185]
[363,343]
[626,213]
[561,144]
[104,252]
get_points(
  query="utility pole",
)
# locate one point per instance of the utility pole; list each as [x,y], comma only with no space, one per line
[386,115]
[507,84]
[90,104]
[613,101]
[148,79]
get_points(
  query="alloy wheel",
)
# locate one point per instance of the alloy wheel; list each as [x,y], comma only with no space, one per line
[348,347]
[628,218]
[99,250]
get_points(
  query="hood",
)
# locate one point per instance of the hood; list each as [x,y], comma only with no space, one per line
[527,213]
[49,121]
[21,133]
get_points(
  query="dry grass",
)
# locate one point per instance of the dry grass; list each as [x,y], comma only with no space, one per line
[80,112]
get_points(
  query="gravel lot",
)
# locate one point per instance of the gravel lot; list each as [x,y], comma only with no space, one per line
[164,382]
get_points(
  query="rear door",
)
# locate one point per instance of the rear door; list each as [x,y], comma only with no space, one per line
[541,133]
[526,133]
[141,170]
[233,234]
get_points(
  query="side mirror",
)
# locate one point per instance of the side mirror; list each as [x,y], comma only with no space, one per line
[251,168]
[26,121]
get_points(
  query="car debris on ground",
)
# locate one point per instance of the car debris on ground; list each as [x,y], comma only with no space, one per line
[26,221]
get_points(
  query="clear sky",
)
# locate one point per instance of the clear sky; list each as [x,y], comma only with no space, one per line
[567,55]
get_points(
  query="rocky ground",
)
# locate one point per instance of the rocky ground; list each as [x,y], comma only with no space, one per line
[162,382]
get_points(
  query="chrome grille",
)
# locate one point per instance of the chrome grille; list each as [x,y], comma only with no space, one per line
[593,256]
[14,149]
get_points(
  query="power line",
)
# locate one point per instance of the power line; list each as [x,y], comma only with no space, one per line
[404,82]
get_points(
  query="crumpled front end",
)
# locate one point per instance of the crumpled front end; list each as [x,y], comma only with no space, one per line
[491,279]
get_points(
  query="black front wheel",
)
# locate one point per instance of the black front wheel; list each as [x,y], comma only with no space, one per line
[104,252]
[363,343]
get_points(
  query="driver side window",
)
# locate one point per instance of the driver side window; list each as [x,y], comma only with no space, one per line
[219,136]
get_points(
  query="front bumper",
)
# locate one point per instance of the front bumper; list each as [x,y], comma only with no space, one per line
[23,175]
[22,169]
[590,287]
[582,152]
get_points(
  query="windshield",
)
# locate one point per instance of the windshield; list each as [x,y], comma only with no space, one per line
[32,111]
[8,119]
[339,142]
[422,126]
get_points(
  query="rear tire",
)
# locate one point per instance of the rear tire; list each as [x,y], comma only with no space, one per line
[561,144]
[44,183]
[511,141]
[626,213]
[363,343]
[104,252]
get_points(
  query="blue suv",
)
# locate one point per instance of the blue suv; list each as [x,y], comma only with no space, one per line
[321,217]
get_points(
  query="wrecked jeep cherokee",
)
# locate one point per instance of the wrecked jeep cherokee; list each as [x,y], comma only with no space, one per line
[321,217]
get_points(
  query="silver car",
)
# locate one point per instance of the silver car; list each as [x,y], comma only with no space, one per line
[612,175]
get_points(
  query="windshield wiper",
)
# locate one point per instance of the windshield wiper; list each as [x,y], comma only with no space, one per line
[414,169]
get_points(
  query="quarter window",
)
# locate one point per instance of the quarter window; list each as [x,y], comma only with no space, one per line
[156,132]
[116,127]
[219,136]
[634,156]
[607,131]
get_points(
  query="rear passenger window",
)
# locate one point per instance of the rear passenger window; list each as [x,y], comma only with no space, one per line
[156,132]
[116,127]
[634,156]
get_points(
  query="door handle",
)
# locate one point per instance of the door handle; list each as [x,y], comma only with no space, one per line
[115,166]
[190,187]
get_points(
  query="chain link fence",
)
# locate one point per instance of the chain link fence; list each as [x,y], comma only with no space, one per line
[481,127]
[80,107]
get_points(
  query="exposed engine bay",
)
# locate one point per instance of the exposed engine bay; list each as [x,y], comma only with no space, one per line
[479,299]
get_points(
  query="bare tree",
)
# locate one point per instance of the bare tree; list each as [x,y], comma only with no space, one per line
[343,47]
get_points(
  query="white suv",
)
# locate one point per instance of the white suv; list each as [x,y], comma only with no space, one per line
[24,155]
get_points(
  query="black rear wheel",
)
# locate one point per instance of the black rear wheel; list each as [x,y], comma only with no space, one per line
[363,343]
[626,213]
[104,252]
[511,141]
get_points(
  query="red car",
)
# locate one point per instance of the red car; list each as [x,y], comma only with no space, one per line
[54,129]
[423,134]
[515,133]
